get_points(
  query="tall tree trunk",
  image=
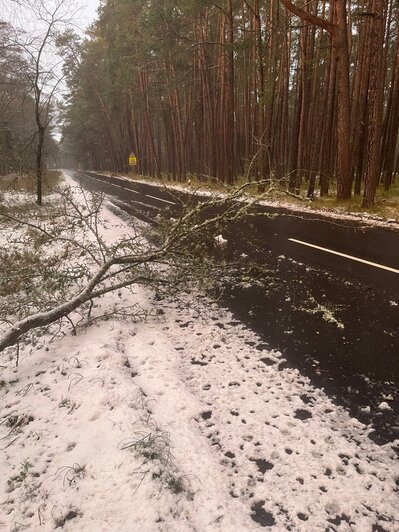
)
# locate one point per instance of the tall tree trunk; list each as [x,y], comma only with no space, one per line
[340,41]
[375,102]
[39,164]
[390,143]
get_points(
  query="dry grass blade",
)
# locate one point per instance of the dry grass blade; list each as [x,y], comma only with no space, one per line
[70,474]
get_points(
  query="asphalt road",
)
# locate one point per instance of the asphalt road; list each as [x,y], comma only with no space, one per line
[323,291]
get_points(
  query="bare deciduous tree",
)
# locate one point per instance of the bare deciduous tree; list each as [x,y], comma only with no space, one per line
[43,20]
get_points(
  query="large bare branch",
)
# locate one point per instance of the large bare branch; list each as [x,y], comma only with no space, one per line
[309,17]
[123,270]
[46,318]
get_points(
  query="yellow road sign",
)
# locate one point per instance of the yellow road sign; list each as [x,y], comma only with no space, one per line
[132,160]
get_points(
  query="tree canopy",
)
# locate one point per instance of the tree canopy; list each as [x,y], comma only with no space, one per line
[308,96]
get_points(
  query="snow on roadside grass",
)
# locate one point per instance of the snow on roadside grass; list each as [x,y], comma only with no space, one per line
[184,422]
[299,207]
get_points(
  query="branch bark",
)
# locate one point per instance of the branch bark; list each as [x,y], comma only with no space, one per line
[309,17]
[43,319]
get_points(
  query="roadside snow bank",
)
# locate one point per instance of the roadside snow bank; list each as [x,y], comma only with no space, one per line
[70,414]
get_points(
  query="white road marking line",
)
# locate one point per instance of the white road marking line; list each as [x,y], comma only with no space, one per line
[134,191]
[145,205]
[356,259]
[160,199]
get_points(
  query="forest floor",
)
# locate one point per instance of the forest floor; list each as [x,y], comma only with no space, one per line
[181,421]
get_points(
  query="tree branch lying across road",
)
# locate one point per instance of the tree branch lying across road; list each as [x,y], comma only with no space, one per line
[174,249]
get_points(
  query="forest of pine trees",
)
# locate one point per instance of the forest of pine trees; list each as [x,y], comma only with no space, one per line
[306,94]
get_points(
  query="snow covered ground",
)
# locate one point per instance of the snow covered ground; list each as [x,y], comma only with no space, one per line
[185,421]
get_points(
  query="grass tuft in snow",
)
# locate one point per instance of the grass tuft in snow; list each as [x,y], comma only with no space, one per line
[19,478]
[68,404]
[71,474]
[16,422]
[154,446]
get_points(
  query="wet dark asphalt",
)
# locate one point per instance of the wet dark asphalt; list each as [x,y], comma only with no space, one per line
[335,320]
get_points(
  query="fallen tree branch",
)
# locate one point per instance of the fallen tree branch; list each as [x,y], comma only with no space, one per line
[46,318]
[196,224]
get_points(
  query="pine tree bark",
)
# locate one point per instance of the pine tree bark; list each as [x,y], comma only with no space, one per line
[392,118]
[375,102]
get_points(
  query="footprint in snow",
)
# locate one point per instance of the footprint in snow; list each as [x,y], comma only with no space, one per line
[262,464]
[267,361]
[302,414]
[261,516]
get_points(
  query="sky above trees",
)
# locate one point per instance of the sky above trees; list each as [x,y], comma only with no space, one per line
[89,11]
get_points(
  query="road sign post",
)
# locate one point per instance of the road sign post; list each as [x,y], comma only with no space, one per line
[132,163]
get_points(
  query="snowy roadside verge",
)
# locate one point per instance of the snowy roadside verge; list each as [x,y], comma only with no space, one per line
[253,443]
[73,426]
[303,208]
